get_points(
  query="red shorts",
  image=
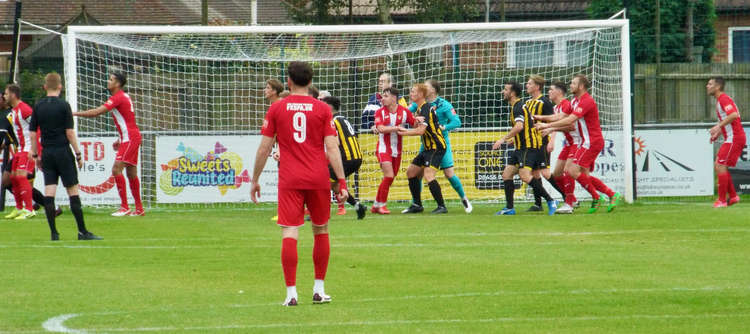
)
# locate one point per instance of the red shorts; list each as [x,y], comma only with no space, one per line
[728,154]
[586,157]
[128,151]
[292,206]
[566,151]
[22,161]
[395,161]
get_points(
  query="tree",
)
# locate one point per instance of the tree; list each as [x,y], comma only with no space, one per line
[674,25]
[425,11]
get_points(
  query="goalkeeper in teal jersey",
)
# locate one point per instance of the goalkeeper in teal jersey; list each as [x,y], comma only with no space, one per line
[449,120]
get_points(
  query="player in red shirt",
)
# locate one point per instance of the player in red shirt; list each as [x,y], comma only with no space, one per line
[388,120]
[556,92]
[303,127]
[729,127]
[585,117]
[22,164]
[127,146]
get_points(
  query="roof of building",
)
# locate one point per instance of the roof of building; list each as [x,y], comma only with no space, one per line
[55,13]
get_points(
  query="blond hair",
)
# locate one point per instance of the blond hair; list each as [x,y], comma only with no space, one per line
[538,80]
[422,88]
[52,81]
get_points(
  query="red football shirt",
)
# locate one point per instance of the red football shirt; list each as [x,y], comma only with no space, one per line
[123,115]
[300,124]
[391,143]
[21,118]
[585,109]
[571,137]
[725,106]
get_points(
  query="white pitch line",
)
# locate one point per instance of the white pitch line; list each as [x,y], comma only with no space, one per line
[57,324]
[386,245]
[342,237]
[425,321]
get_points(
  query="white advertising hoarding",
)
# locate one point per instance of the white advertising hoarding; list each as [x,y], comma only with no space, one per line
[609,168]
[210,169]
[96,184]
[668,163]
[674,162]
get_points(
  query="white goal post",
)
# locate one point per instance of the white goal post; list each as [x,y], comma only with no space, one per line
[198,92]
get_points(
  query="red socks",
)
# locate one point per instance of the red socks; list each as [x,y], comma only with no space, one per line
[321,253]
[568,185]
[585,181]
[22,192]
[120,182]
[385,186]
[724,180]
[730,186]
[16,192]
[599,185]
[135,188]
[289,260]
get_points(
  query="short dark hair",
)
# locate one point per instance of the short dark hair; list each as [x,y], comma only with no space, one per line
[313,91]
[560,85]
[276,85]
[435,84]
[333,101]
[582,79]
[391,90]
[14,89]
[120,77]
[719,81]
[300,72]
[515,87]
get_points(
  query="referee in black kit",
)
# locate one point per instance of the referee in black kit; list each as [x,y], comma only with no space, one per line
[53,116]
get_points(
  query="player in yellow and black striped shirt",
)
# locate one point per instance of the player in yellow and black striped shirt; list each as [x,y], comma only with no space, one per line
[540,105]
[351,154]
[434,148]
[527,155]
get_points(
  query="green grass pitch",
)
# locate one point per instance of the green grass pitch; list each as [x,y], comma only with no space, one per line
[645,268]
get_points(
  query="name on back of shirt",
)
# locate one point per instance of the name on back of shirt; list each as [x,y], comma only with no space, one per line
[299,106]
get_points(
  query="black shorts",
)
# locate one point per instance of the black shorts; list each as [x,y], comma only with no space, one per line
[546,162]
[529,158]
[59,163]
[429,158]
[350,167]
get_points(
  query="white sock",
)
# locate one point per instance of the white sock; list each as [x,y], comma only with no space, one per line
[376,204]
[318,287]
[291,292]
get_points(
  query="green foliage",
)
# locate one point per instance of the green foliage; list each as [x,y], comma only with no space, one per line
[32,86]
[426,11]
[447,11]
[317,11]
[673,24]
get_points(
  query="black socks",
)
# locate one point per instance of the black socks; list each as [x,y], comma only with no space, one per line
[510,188]
[75,208]
[437,194]
[49,210]
[415,187]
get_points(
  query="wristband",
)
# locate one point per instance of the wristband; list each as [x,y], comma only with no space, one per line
[342,185]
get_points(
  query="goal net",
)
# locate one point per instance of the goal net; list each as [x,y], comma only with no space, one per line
[198,97]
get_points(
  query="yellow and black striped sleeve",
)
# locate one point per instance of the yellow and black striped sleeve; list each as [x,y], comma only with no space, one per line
[348,144]
[433,136]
